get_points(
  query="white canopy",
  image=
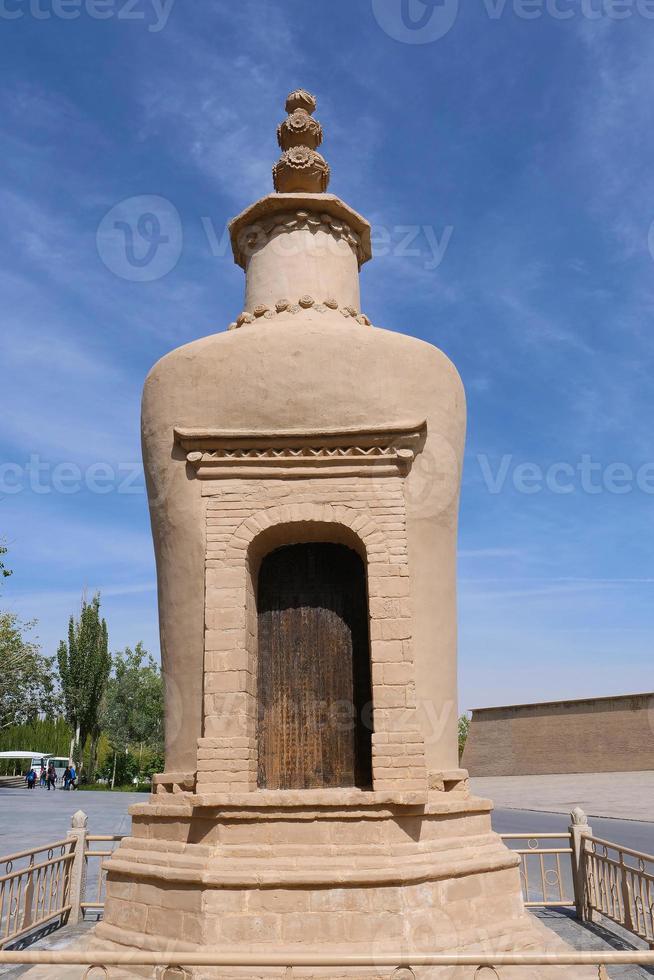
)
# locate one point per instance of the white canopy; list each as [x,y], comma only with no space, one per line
[24,755]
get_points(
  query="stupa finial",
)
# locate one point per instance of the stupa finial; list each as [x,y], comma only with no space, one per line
[300,168]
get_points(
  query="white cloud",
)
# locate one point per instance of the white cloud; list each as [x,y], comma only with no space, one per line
[221,114]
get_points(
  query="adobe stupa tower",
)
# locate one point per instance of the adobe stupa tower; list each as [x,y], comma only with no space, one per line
[303,471]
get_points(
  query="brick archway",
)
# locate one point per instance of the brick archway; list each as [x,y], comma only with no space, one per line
[243,525]
[364,527]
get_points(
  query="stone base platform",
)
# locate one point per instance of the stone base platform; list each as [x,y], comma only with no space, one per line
[325,872]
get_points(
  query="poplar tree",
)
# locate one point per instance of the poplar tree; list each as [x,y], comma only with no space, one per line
[84,665]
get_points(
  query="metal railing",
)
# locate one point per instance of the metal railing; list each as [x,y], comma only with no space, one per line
[619,884]
[400,966]
[35,889]
[96,876]
[545,882]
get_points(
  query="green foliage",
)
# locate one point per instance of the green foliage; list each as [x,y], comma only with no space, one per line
[26,676]
[127,768]
[92,755]
[152,762]
[6,572]
[102,752]
[108,788]
[130,765]
[464,729]
[133,706]
[51,735]
[84,666]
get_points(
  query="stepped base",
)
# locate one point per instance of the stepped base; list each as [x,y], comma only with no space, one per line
[326,872]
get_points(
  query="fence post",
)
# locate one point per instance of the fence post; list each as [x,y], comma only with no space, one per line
[579,830]
[625,888]
[77,881]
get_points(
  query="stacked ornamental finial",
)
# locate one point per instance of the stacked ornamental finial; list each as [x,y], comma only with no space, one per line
[300,169]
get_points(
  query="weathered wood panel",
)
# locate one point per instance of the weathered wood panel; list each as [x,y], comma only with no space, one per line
[313,669]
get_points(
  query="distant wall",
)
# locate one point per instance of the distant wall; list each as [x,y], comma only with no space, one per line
[595,735]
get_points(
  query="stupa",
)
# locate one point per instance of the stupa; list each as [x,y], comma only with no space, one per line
[303,471]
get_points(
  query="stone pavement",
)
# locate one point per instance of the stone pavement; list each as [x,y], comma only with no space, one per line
[29,818]
[624,795]
[603,936]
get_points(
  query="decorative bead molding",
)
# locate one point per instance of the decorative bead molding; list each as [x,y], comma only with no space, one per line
[254,237]
[385,451]
[263,312]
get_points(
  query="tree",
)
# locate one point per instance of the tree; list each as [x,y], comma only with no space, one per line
[84,666]
[464,729]
[133,707]
[26,681]
[133,711]
[120,769]
[49,734]
[5,571]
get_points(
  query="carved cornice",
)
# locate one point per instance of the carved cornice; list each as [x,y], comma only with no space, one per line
[228,454]
[253,237]
[319,206]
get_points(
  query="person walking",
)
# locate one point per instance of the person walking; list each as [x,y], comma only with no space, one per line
[52,777]
[67,778]
[43,776]
[73,776]
[31,779]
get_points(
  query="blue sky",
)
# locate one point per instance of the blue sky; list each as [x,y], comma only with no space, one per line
[522,144]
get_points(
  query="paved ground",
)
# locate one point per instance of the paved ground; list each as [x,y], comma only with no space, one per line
[30,817]
[595,936]
[621,795]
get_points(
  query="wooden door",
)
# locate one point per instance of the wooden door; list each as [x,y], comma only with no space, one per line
[314,717]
